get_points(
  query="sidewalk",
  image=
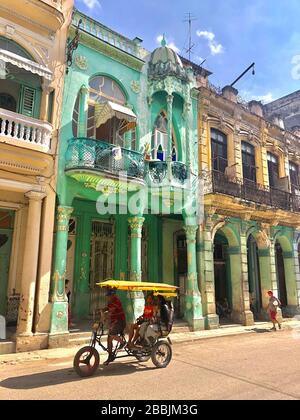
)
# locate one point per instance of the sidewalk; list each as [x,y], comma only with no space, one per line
[176,338]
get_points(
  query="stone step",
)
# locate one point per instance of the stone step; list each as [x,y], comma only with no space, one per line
[7,347]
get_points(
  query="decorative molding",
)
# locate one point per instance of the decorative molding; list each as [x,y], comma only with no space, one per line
[135,86]
[81,62]
[111,51]
[32,22]
[15,165]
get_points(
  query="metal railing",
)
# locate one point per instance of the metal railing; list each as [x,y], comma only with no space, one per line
[84,153]
[158,170]
[218,182]
[26,130]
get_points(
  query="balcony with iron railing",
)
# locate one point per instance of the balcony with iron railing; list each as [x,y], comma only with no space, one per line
[20,130]
[161,172]
[99,156]
[218,182]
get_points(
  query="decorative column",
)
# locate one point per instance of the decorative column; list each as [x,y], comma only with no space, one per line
[247,315]
[136,306]
[44,112]
[188,126]
[273,271]
[207,283]
[297,268]
[170,99]
[193,305]
[83,110]
[59,316]
[30,263]
[291,282]
[128,139]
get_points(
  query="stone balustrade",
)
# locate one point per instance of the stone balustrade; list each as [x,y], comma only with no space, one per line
[25,131]
[102,32]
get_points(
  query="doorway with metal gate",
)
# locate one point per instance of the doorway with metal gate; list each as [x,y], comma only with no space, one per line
[254,278]
[180,271]
[102,261]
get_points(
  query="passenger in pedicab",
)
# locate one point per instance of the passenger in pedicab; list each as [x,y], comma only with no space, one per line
[160,324]
[145,319]
[116,323]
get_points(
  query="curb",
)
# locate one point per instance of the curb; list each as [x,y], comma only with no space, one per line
[67,352]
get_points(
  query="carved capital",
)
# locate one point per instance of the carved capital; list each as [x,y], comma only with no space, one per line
[136,224]
[191,232]
[35,195]
[63,215]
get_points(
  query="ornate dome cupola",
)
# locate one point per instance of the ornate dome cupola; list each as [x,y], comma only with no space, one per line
[165,62]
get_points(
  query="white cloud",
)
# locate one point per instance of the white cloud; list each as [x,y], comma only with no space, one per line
[91,4]
[248,96]
[171,45]
[265,98]
[214,46]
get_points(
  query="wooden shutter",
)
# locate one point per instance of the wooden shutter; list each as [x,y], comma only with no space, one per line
[28,98]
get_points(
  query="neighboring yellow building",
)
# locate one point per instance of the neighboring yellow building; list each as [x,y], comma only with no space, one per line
[32,65]
[248,242]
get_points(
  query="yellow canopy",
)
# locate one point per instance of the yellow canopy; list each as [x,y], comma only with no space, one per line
[138,285]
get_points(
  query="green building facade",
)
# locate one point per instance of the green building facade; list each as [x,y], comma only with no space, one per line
[127,204]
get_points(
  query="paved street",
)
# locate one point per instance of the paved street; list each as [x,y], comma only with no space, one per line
[255,366]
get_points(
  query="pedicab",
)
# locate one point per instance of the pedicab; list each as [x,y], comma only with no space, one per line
[157,346]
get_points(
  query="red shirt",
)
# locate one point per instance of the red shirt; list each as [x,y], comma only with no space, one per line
[115,309]
[148,311]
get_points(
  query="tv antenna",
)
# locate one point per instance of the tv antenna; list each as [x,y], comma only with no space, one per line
[190,19]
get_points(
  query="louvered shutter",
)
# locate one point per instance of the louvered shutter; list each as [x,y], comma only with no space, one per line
[28,98]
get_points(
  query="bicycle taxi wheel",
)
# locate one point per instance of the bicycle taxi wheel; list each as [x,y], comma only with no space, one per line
[161,354]
[86,361]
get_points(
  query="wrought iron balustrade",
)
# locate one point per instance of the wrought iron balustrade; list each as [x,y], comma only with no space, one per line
[218,182]
[221,184]
[96,155]
[252,191]
[295,201]
[179,171]
[280,199]
[158,171]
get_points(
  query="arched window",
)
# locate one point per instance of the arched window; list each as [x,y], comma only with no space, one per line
[104,90]
[273,168]
[219,150]
[20,89]
[294,175]
[75,118]
[160,139]
[248,159]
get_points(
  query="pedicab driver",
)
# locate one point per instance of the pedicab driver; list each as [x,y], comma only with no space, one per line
[116,322]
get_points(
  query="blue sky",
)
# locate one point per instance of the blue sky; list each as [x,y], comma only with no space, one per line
[229,34]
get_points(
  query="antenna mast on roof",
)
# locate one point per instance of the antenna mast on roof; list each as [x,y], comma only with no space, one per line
[190,19]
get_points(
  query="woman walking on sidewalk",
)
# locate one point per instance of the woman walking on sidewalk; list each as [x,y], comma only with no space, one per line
[273,305]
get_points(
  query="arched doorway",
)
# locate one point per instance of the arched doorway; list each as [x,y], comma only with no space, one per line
[181,271]
[222,273]
[280,271]
[254,278]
